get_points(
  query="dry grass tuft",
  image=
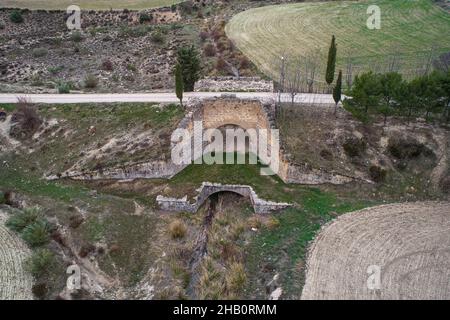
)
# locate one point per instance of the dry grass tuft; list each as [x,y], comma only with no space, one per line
[177,229]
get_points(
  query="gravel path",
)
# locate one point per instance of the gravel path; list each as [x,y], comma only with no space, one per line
[410,243]
[15,283]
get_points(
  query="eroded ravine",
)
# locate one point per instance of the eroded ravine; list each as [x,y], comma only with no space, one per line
[201,246]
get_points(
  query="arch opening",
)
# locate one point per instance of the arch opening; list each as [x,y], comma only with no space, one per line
[217,198]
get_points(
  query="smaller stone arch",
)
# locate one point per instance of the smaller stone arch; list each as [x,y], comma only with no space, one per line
[207,189]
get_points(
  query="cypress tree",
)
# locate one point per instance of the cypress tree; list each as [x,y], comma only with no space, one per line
[337,91]
[179,85]
[189,61]
[331,63]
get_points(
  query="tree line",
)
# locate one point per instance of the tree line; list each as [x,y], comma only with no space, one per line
[389,94]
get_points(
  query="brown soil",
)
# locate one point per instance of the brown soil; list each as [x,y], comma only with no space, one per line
[409,241]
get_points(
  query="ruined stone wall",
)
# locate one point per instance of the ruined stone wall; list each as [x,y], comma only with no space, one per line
[234,84]
[147,170]
[207,189]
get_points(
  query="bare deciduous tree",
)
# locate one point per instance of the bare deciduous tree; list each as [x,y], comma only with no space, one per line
[282,78]
[311,64]
[294,81]
[349,71]
[394,62]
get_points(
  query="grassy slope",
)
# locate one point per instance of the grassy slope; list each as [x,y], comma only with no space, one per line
[411,27]
[109,218]
[97,4]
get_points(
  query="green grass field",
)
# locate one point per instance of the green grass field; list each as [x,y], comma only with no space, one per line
[304,29]
[88,5]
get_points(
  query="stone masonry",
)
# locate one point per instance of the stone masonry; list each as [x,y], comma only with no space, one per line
[217,113]
[234,84]
[207,189]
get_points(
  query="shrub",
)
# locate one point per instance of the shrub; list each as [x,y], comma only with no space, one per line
[209,50]
[254,222]
[107,65]
[221,65]
[217,34]
[445,184]
[37,233]
[76,36]
[221,46]
[16,16]
[9,198]
[405,149]
[211,284]
[176,26]
[26,120]
[36,81]
[204,35]
[90,81]
[134,32]
[157,36]
[229,252]
[40,262]
[326,154]
[76,220]
[377,173]
[186,7]
[244,63]
[354,147]
[272,223]
[2,197]
[40,290]
[235,278]
[86,249]
[145,17]
[23,219]
[177,229]
[55,70]
[64,87]
[39,52]
[131,67]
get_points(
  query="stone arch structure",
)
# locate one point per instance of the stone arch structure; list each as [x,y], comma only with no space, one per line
[247,114]
[216,113]
[208,189]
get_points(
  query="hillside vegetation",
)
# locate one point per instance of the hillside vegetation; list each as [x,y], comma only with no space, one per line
[98,4]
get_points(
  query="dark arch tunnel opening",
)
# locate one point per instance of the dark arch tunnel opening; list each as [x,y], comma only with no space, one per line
[233,145]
